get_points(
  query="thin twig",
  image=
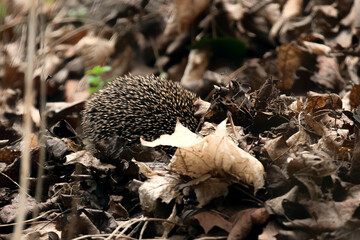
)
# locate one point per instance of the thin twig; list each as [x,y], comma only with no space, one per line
[97,236]
[28,103]
[143,230]
[29,220]
[211,238]
[118,228]
[13,182]
[42,154]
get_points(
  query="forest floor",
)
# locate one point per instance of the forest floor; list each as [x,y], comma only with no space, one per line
[277,153]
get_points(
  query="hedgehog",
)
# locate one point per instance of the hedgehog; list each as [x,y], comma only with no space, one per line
[134,107]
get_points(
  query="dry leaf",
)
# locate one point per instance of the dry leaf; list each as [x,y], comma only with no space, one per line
[352,64]
[353,15]
[216,154]
[328,74]
[163,187]
[234,11]
[116,209]
[270,231]
[355,96]
[186,15]
[289,60]
[88,160]
[95,50]
[330,215]
[34,112]
[145,169]
[51,65]
[14,67]
[318,101]
[317,48]
[277,149]
[245,222]
[271,12]
[196,66]
[208,220]
[41,231]
[292,8]
[355,161]
[181,137]
[168,226]
[209,190]
[274,206]
[328,10]
[319,128]
[297,139]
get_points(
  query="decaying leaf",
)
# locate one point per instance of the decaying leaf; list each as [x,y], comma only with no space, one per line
[289,60]
[355,96]
[274,206]
[95,50]
[270,231]
[158,187]
[277,149]
[291,9]
[317,48]
[145,169]
[209,190]
[196,66]
[185,15]
[234,11]
[328,74]
[216,154]
[88,160]
[246,220]
[317,101]
[168,227]
[329,215]
[42,231]
[208,220]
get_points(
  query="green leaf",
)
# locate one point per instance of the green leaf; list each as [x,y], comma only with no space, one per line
[93,89]
[77,13]
[95,80]
[2,10]
[163,75]
[106,68]
[96,70]
[101,85]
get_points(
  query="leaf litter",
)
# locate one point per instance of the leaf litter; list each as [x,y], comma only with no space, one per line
[276,155]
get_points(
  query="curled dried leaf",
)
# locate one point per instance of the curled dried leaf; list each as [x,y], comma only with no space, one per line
[216,154]
[95,50]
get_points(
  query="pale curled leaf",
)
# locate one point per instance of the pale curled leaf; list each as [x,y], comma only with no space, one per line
[144,169]
[208,220]
[182,137]
[86,159]
[94,50]
[163,187]
[292,8]
[317,48]
[216,154]
[209,190]
[185,15]
[234,11]
[196,66]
